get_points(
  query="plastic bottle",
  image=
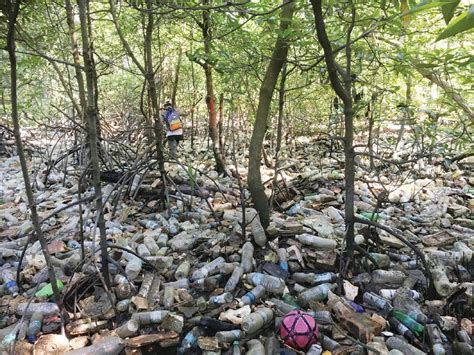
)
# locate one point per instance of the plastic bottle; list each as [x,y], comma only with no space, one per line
[206,284]
[317,242]
[221,299]
[153,317]
[107,345]
[224,269]
[314,279]
[151,245]
[234,279]
[322,317]
[143,251]
[383,260]
[190,340]
[252,296]
[376,301]
[390,294]
[409,322]
[236,348]
[401,329]
[168,297]
[216,324]
[9,280]
[45,308]
[149,224]
[246,262]
[403,346]
[228,336]
[204,271]
[182,270]
[410,307]
[47,290]
[299,288]
[282,259]
[128,329]
[123,289]
[34,327]
[271,283]
[318,293]
[181,283]
[388,277]
[282,306]
[256,320]
[328,343]
[272,344]
[315,349]
[256,228]
[133,268]
[255,347]
[123,305]
[434,334]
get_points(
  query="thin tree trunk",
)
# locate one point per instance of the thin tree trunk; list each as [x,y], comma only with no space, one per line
[279,137]
[343,91]
[13,9]
[370,144]
[210,99]
[176,78]
[406,114]
[220,124]
[92,115]
[277,59]
[153,94]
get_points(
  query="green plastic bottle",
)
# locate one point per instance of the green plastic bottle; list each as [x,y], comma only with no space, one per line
[47,291]
[409,322]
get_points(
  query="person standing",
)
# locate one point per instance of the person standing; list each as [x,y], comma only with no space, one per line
[174,127]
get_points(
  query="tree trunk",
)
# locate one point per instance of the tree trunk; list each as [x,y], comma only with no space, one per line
[153,94]
[12,9]
[343,91]
[277,59]
[92,116]
[220,124]
[210,100]
[176,78]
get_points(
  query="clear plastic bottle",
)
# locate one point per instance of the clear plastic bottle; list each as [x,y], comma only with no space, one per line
[282,259]
[123,305]
[182,270]
[317,242]
[9,280]
[234,279]
[390,294]
[252,296]
[190,340]
[388,277]
[282,306]
[228,336]
[151,245]
[221,299]
[271,283]
[376,301]
[34,327]
[105,346]
[133,268]
[44,308]
[314,279]
[153,317]
[149,224]
[409,306]
[318,293]
[256,320]
[403,346]
[209,283]
[246,262]
[204,271]
[123,289]
[256,228]
[434,334]
[143,251]
[128,329]
[168,297]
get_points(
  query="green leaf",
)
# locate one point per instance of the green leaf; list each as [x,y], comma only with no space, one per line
[426,5]
[448,10]
[462,23]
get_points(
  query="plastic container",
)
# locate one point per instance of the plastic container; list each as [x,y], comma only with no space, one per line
[190,340]
[44,308]
[133,268]
[234,279]
[314,279]
[130,328]
[390,294]
[256,228]
[252,296]
[282,258]
[221,299]
[255,347]
[204,271]
[317,242]
[123,305]
[270,283]
[143,251]
[256,320]
[182,271]
[149,224]
[246,262]
[403,346]
[168,297]
[106,346]
[153,317]
[228,336]
[9,279]
[376,301]
[151,245]
[34,327]
[318,293]
[409,322]
[388,277]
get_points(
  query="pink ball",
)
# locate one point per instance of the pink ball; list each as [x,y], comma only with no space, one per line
[299,330]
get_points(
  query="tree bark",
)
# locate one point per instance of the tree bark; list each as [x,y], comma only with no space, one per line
[280,52]
[92,116]
[176,78]
[210,99]
[343,91]
[220,124]
[12,9]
